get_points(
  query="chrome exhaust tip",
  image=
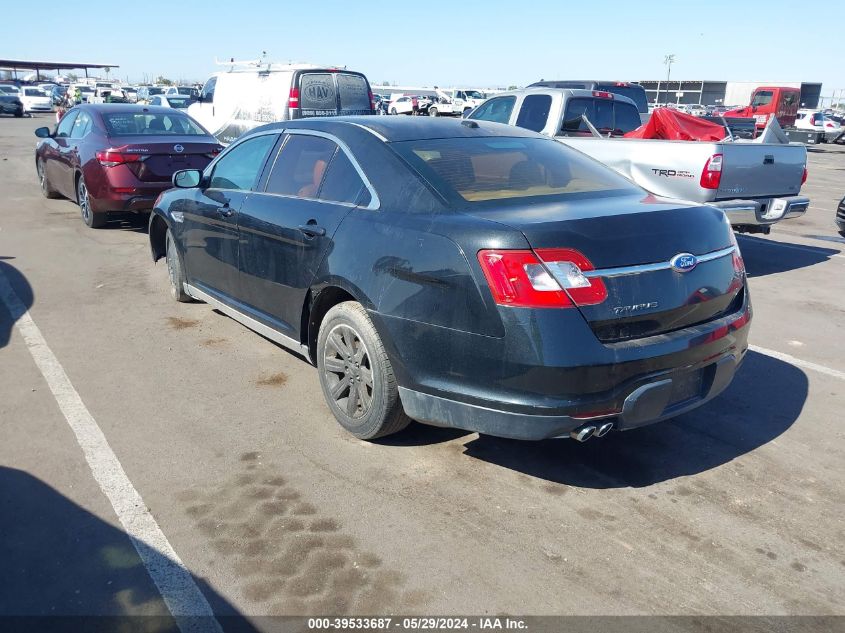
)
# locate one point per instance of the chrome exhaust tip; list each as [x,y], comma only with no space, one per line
[582,433]
[604,429]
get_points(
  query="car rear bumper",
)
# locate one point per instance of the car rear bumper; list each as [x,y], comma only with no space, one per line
[648,403]
[765,211]
[549,374]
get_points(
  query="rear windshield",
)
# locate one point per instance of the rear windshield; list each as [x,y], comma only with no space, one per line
[328,94]
[502,168]
[133,124]
[179,102]
[34,92]
[633,92]
[606,115]
[155,91]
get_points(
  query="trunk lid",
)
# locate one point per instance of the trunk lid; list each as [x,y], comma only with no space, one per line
[765,170]
[630,243]
[161,159]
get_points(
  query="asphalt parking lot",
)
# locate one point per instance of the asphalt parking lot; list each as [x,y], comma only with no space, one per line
[733,509]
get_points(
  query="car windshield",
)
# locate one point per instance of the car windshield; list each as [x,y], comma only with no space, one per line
[473,94]
[155,91]
[501,168]
[145,123]
[34,92]
[764,97]
[634,92]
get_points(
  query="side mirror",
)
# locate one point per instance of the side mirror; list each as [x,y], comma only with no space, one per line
[187,178]
[42,132]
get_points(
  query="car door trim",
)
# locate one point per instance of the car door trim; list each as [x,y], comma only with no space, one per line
[248,321]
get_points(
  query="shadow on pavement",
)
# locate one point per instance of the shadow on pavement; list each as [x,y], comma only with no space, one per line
[768,257]
[764,400]
[22,289]
[66,569]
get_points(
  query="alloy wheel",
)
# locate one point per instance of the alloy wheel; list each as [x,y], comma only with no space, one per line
[348,371]
[84,202]
[42,178]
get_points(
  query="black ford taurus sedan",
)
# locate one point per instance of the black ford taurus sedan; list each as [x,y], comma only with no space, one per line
[461,273]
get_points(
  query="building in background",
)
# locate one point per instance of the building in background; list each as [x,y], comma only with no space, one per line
[729,93]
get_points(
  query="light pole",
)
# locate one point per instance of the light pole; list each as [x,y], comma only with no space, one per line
[668,60]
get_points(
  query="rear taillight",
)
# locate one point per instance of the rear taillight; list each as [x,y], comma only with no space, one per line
[213,153]
[110,158]
[372,100]
[711,176]
[602,94]
[804,175]
[293,98]
[549,278]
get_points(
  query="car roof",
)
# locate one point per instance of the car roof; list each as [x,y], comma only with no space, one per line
[393,129]
[572,92]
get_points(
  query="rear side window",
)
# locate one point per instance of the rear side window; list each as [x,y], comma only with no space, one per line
[501,168]
[81,126]
[300,166]
[208,90]
[342,182]
[66,124]
[240,167]
[534,112]
[497,110]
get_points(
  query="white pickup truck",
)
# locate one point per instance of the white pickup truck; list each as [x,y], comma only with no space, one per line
[755,184]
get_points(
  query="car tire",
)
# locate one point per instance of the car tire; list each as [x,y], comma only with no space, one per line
[393,111]
[175,270]
[92,219]
[842,233]
[433,112]
[46,189]
[356,375]
[19,114]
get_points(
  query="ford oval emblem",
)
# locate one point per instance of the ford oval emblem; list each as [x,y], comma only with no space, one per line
[683,262]
[178,149]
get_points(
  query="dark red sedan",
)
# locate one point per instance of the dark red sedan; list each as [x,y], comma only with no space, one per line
[118,157]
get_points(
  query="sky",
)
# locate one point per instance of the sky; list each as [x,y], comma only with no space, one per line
[492,43]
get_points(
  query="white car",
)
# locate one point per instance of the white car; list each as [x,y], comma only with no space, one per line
[463,99]
[35,100]
[401,104]
[816,120]
[178,101]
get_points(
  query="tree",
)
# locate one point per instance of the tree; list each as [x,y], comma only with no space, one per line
[72,78]
[511,87]
[164,81]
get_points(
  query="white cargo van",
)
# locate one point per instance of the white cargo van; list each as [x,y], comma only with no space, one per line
[240,99]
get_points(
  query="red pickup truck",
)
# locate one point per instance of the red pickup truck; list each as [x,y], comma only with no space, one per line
[767,101]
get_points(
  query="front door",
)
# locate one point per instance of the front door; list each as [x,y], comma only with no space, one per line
[287,229]
[56,165]
[210,219]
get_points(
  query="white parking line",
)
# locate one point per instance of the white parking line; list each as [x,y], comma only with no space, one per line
[183,598]
[804,364]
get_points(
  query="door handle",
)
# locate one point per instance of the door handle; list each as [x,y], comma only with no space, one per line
[312,230]
[225,211]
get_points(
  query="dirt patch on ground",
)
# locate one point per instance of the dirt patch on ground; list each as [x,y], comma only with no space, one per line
[290,558]
[276,380]
[180,323]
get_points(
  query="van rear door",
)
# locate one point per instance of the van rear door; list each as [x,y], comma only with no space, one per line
[329,93]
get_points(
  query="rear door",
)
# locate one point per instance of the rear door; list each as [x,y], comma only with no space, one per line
[287,229]
[210,220]
[331,93]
